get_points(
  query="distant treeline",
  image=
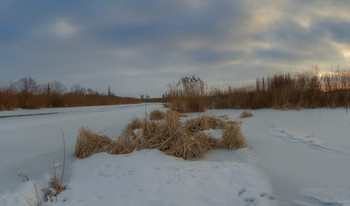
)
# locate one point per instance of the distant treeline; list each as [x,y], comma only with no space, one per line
[26,93]
[281,91]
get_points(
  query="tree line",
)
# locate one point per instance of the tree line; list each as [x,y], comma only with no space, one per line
[26,93]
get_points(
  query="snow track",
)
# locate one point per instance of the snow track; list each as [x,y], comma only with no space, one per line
[301,138]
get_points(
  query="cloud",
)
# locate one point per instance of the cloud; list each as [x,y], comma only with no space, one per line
[64,29]
[139,46]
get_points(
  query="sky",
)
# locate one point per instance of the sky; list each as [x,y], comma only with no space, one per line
[138,47]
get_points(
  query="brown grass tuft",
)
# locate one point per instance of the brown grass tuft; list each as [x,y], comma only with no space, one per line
[204,122]
[122,146]
[182,144]
[246,114]
[207,140]
[157,115]
[57,185]
[232,137]
[135,124]
[172,139]
[89,143]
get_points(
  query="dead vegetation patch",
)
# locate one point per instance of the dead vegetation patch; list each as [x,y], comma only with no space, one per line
[204,122]
[89,143]
[135,124]
[167,135]
[232,137]
[246,114]
[157,115]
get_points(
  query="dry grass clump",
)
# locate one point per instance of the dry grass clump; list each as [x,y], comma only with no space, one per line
[204,122]
[89,143]
[207,140]
[157,115]
[148,138]
[172,139]
[173,117]
[246,114]
[122,146]
[184,146]
[55,188]
[135,124]
[167,135]
[232,137]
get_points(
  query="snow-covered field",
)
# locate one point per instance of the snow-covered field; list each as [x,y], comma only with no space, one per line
[297,158]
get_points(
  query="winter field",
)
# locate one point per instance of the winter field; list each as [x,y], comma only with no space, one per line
[299,158]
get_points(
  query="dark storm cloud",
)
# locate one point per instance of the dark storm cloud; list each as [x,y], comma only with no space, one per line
[139,46]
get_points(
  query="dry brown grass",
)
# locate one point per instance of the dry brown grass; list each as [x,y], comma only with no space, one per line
[55,184]
[135,124]
[246,114]
[182,144]
[232,137]
[172,139]
[204,122]
[167,135]
[122,146]
[287,91]
[157,115]
[207,140]
[54,189]
[187,95]
[89,143]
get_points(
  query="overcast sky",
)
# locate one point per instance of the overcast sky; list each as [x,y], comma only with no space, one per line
[139,46]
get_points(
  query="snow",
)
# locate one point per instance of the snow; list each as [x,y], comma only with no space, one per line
[216,133]
[294,158]
[149,177]
[327,196]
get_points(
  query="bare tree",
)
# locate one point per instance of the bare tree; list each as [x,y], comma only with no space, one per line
[57,88]
[27,85]
[77,89]
[91,92]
